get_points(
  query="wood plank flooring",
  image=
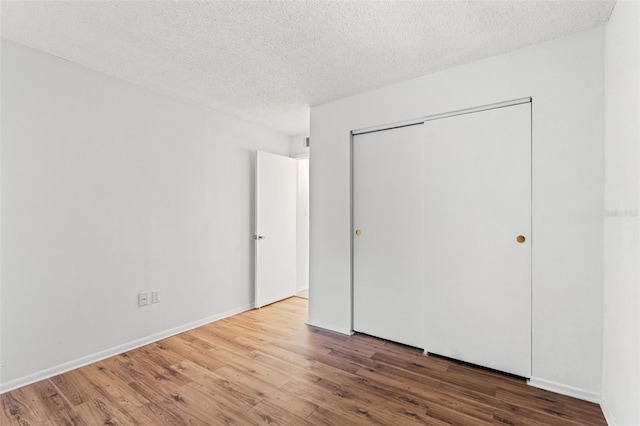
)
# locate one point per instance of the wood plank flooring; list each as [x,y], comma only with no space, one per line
[267,367]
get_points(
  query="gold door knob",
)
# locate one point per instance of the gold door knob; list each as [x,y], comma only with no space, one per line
[358,232]
[520,238]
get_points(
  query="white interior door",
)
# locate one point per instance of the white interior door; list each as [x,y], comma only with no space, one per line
[303,224]
[477,202]
[275,238]
[388,246]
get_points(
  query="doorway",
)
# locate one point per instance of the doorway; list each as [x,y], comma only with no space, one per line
[302,227]
[282,228]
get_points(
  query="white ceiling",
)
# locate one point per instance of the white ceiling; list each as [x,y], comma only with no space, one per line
[269,61]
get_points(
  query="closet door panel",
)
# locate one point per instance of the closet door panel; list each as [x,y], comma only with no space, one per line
[388,239]
[477,216]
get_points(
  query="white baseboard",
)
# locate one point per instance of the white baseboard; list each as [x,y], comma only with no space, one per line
[90,359]
[564,389]
[331,327]
[607,413]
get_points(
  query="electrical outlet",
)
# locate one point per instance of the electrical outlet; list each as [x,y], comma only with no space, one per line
[155,296]
[143,298]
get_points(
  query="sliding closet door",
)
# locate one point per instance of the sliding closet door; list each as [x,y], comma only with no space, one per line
[388,246]
[478,238]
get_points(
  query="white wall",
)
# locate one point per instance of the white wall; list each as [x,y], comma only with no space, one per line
[565,79]
[1,363]
[297,148]
[109,189]
[621,351]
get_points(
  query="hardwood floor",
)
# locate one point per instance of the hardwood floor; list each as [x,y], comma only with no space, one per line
[267,367]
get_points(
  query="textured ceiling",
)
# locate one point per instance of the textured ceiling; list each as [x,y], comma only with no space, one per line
[268,62]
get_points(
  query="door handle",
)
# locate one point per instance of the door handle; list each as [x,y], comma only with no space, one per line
[259,237]
[358,232]
[520,239]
